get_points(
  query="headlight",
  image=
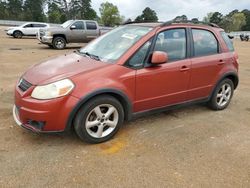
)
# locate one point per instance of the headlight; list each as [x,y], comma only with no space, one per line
[53,90]
[48,33]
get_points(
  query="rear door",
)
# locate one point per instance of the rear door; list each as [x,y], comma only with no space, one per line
[207,62]
[92,30]
[77,32]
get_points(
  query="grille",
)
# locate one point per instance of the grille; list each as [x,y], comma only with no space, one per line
[24,85]
[42,33]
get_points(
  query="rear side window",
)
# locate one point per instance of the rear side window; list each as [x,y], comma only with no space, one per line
[91,25]
[205,43]
[228,42]
[173,42]
[79,25]
[39,25]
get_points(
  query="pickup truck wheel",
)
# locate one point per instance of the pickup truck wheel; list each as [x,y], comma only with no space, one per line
[59,43]
[99,119]
[17,34]
[222,95]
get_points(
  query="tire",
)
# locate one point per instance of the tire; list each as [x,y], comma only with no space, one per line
[18,34]
[93,124]
[59,43]
[222,95]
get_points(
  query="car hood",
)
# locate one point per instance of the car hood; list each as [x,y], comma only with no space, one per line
[60,68]
[53,29]
[11,28]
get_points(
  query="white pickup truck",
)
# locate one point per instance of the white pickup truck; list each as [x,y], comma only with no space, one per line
[27,29]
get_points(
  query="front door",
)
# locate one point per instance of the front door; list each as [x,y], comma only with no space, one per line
[77,32]
[166,84]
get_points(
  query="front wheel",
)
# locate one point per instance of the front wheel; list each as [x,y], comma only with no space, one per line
[99,119]
[59,43]
[18,34]
[222,95]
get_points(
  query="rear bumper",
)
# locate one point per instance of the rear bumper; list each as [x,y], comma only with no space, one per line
[42,115]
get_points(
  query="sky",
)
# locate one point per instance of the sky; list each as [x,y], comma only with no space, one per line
[169,9]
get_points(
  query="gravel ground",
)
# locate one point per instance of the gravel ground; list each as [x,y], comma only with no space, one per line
[189,147]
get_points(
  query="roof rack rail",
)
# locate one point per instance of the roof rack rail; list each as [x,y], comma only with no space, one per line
[132,22]
[188,21]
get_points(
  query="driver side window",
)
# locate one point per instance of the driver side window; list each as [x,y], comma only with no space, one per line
[138,58]
[173,42]
[78,25]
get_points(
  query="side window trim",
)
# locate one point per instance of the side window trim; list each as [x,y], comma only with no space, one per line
[126,64]
[192,42]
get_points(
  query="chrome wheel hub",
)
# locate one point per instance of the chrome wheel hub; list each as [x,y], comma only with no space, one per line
[102,120]
[224,95]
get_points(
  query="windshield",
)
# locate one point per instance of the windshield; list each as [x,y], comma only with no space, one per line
[114,44]
[67,23]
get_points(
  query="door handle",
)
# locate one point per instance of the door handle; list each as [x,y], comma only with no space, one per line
[184,68]
[221,62]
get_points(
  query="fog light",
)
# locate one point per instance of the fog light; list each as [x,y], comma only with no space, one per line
[36,124]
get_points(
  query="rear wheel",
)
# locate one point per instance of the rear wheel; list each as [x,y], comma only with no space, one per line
[99,119]
[59,43]
[17,34]
[222,95]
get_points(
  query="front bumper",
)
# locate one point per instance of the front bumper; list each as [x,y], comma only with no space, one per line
[42,115]
[45,39]
[10,33]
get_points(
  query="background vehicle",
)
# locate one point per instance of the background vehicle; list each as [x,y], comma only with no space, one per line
[27,29]
[244,37]
[132,70]
[72,31]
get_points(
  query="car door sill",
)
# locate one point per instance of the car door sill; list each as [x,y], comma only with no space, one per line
[169,107]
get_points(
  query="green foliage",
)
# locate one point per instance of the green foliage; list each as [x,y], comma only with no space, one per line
[148,15]
[181,18]
[110,15]
[216,18]
[34,10]
[233,21]
[247,16]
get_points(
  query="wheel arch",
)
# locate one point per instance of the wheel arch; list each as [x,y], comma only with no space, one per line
[60,35]
[119,95]
[230,75]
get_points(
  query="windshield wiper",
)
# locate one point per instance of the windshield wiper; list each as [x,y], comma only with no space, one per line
[95,57]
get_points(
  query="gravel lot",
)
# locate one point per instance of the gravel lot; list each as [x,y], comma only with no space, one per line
[189,147]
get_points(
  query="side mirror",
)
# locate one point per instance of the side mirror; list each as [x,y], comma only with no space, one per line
[159,57]
[72,27]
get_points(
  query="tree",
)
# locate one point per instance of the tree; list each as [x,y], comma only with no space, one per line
[110,15]
[216,18]
[34,10]
[148,15]
[207,18]
[238,21]
[81,9]
[14,8]
[3,10]
[247,16]
[55,14]
[181,18]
